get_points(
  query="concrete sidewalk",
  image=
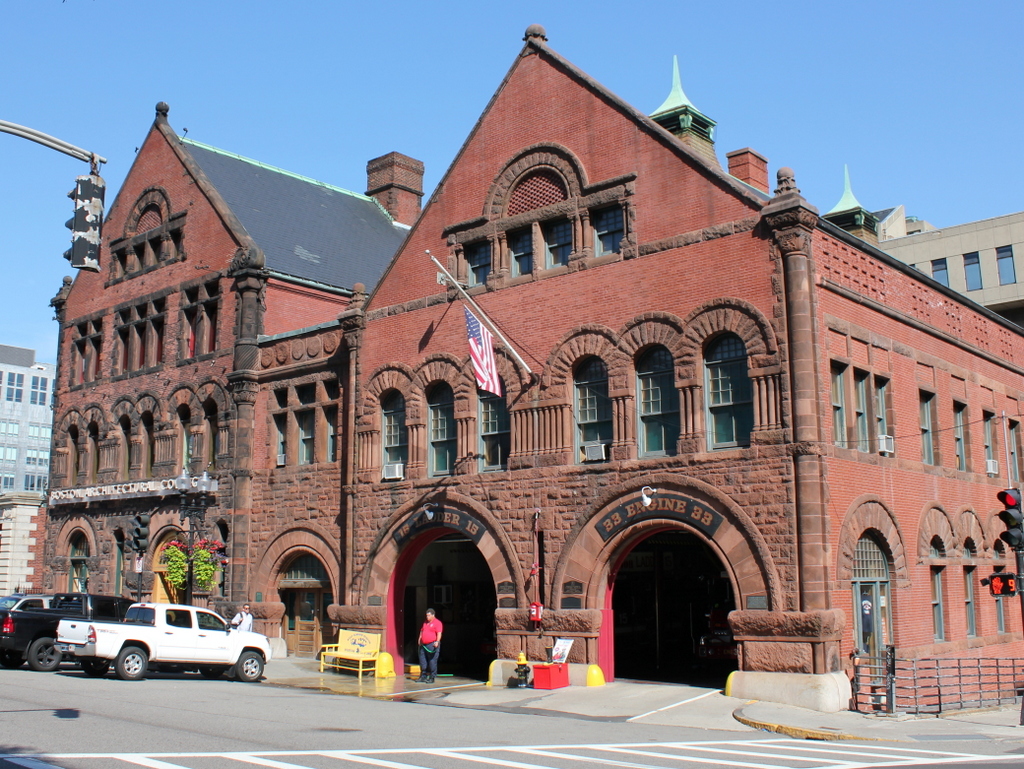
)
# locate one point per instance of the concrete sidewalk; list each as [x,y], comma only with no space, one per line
[660,704]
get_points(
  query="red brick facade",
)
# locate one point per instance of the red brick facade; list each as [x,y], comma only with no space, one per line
[596,241]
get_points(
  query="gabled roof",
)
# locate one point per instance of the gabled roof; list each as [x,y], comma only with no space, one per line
[305,228]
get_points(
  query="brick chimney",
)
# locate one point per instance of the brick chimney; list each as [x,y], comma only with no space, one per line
[750,167]
[396,181]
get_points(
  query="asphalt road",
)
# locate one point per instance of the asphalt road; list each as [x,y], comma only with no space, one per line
[70,721]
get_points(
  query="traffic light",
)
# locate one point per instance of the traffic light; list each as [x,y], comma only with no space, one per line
[1002,583]
[1012,517]
[140,532]
[85,224]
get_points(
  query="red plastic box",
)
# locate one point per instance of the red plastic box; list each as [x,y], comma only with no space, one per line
[550,676]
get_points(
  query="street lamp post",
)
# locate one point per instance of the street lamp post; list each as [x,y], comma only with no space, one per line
[196,497]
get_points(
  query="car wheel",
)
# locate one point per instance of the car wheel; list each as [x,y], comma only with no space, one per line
[95,668]
[211,672]
[10,658]
[131,663]
[43,655]
[249,667]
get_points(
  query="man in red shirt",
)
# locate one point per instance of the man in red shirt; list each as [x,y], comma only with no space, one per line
[430,645]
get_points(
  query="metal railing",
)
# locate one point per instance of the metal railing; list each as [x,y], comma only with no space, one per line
[919,686]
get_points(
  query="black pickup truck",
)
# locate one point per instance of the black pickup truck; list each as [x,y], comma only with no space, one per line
[30,634]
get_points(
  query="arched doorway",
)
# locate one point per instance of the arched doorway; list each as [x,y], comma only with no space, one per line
[444,570]
[305,590]
[670,599]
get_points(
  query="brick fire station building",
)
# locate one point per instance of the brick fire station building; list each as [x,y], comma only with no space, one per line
[727,426]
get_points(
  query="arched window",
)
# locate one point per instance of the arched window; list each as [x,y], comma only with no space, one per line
[184,438]
[93,437]
[396,435]
[73,456]
[658,402]
[78,574]
[593,410]
[211,435]
[148,444]
[495,432]
[125,425]
[443,448]
[730,406]
[937,550]
[872,607]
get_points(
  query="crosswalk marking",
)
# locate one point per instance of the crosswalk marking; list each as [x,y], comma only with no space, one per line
[771,753]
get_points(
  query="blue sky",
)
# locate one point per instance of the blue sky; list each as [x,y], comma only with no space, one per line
[921,99]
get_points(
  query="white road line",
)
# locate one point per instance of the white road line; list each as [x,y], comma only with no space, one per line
[364,759]
[717,760]
[873,751]
[495,761]
[152,763]
[675,705]
[608,762]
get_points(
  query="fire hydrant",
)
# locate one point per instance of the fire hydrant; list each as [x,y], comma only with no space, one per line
[522,671]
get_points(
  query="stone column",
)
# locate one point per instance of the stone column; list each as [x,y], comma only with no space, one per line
[250,283]
[792,221]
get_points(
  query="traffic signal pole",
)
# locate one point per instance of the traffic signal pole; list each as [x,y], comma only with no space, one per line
[54,143]
[88,196]
[1013,517]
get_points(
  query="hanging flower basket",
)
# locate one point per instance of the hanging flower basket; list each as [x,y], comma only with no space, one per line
[207,557]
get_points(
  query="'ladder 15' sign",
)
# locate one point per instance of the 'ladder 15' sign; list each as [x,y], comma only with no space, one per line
[663,505]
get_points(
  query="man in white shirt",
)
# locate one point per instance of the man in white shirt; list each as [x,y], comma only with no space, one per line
[242,620]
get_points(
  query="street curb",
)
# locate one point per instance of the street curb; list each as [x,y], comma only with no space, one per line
[799,732]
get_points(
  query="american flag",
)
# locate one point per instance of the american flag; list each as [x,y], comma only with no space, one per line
[481,350]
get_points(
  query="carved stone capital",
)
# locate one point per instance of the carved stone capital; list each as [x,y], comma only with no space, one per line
[248,259]
[793,241]
[244,387]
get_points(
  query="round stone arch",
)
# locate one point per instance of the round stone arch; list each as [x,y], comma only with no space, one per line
[392,542]
[124,407]
[867,513]
[589,557]
[584,342]
[149,402]
[535,158]
[935,523]
[449,370]
[968,527]
[650,329]
[729,315]
[390,377]
[74,524]
[151,198]
[185,395]
[215,391]
[286,546]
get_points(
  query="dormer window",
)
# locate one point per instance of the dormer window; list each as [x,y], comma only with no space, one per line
[478,262]
[557,243]
[608,230]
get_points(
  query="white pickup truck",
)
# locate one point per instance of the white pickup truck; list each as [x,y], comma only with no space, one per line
[164,635]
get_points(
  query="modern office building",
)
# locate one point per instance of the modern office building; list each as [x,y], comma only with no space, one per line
[26,388]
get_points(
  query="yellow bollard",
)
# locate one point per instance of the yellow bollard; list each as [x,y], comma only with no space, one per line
[384,667]
[595,676]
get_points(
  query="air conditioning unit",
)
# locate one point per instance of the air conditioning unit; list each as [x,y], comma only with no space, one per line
[394,471]
[992,466]
[280,460]
[886,444]
[594,452]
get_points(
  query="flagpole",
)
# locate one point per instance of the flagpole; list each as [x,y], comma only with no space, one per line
[462,292]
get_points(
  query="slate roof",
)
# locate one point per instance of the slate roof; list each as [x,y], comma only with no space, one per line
[307,229]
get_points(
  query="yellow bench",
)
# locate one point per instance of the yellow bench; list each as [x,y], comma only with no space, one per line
[355,650]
